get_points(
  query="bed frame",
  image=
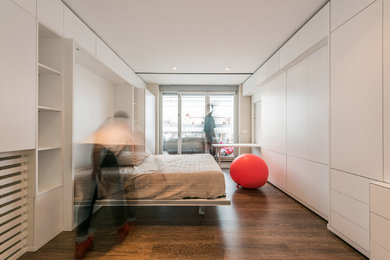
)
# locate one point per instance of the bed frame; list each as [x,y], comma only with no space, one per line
[201,203]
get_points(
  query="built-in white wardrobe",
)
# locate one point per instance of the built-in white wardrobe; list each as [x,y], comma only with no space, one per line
[324,122]
[59,81]
[292,122]
[356,116]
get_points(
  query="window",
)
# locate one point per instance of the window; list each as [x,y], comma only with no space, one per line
[183,117]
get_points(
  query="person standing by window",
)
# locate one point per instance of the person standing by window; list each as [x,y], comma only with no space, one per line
[209,125]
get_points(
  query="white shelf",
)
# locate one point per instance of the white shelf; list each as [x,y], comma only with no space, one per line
[48,148]
[45,108]
[45,189]
[43,69]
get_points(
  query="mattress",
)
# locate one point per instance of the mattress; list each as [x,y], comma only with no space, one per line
[159,177]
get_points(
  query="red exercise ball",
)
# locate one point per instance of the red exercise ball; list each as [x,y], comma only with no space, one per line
[249,171]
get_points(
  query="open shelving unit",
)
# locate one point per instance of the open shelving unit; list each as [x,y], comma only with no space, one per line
[50,89]
[47,194]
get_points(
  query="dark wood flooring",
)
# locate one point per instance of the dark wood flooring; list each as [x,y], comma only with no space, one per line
[260,224]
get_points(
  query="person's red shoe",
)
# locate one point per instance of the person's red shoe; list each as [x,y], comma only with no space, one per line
[123,231]
[132,226]
[83,247]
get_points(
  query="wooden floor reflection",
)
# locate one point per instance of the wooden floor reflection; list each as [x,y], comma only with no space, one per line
[260,224]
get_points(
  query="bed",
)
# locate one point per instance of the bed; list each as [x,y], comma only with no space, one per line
[162,180]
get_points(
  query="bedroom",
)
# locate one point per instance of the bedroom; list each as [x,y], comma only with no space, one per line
[306,81]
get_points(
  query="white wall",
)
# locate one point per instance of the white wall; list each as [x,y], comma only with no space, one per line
[93,101]
[155,90]
[150,122]
[244,117]
[139,116]
[123,99]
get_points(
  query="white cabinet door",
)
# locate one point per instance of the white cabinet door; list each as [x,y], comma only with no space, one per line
[47,226]
[314,30]
[76,29]
[276,163]
[352,231]
[317,108]
[270,67]
[309,182]
[351,209]
[386,86]
[319,187]
[380,230]
[298,181]
[310,34]
[378,253]
[380,220]
[379,199]
[351,185]
[307,108]
[51,14]
[343,10]
[356,95]
[289,51]
[296,110]
[18,66]
[28,5]
[274,114]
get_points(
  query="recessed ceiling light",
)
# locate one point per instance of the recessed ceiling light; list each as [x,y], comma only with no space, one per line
[227,68]
[174,68]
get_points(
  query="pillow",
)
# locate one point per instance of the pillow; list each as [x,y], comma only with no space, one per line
[128,158]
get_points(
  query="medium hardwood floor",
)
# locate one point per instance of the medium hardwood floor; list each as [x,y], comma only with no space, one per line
[260,224]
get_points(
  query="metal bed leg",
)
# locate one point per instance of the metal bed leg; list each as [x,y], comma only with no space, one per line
[201,210]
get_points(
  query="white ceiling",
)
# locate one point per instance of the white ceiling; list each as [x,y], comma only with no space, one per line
[196,36]
[198,79]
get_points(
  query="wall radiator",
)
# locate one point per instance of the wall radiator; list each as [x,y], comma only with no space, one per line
[13,204]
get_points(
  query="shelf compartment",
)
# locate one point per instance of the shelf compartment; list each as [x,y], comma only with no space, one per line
[50,51]
[43,70]
[50,91]
[49,170]
[45,33]
[49,129]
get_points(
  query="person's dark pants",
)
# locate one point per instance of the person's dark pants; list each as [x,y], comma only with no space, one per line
[121,214]
[209,144]
[210,148]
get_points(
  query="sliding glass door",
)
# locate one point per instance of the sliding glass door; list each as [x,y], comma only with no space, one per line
[192,123]
[183,118]
[170,123]
[223,112]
